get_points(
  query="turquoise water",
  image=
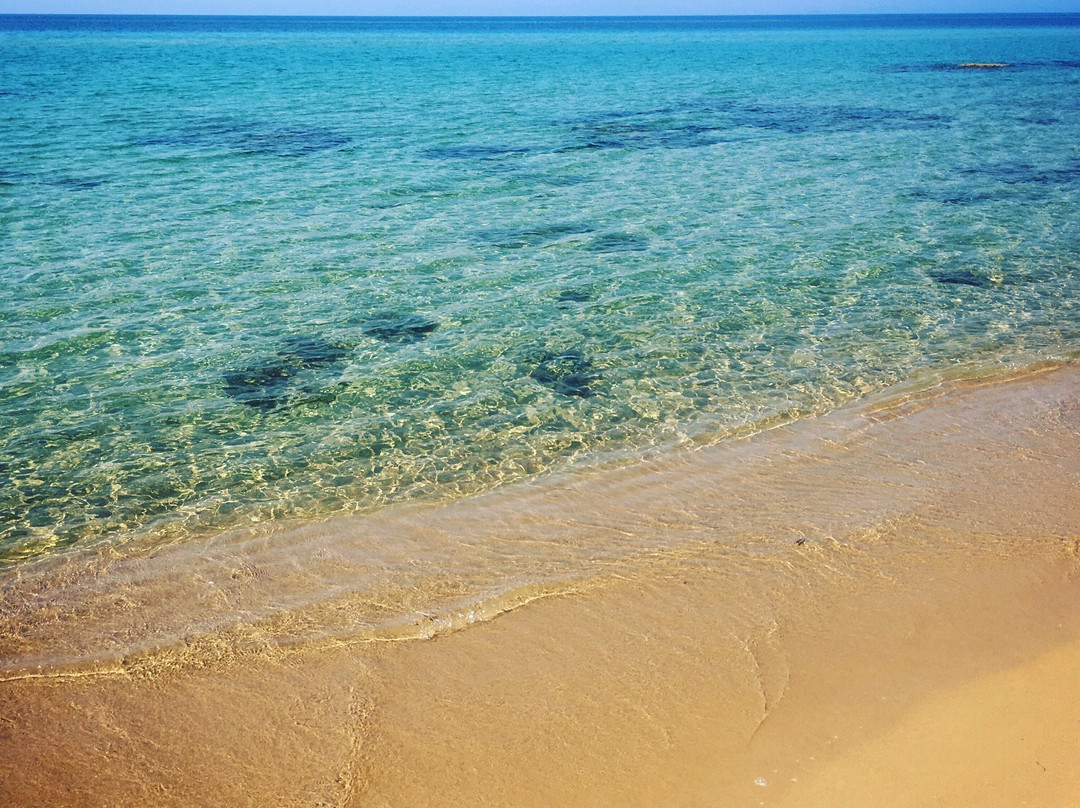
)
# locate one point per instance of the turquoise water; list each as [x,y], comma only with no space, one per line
[261,268]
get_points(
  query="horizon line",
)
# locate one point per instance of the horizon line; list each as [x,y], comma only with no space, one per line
[548,16]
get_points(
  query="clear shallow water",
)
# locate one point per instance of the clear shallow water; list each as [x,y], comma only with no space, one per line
[261,268]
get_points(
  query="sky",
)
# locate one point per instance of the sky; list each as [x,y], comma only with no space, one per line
[529,7]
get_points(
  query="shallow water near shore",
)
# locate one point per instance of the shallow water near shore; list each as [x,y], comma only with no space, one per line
[934,464]
[266,269]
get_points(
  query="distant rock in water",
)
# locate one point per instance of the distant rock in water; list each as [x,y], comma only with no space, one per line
[961,277]
[312,352]
[618,242]
[949,197]
[292,142]
[268,385]
[393,326]
[473,152]
[575,296]
[568,374]
[1024,173]
[520,237]
[264,386]
[982,65]
[78,183]
[249,137]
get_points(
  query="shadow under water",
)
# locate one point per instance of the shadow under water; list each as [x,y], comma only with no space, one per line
[250,138]
[392,326]
[269,384]
[569,373]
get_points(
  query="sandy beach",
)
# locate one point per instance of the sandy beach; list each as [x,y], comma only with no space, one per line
[879,606]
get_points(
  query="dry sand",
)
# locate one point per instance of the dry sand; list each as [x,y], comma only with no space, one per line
[920,647]
[943,684]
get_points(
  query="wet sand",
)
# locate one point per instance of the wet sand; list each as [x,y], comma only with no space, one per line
[875,607]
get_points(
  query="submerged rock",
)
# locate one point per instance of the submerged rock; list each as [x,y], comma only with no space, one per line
[520,237]
[268,385]
[1021,172]
[961,277]
[575,296]
[264,386]
[391,326]
[249,137]
[291,142]
[79,183]
[568,374]
[473,152]
[312,352]
[618,242]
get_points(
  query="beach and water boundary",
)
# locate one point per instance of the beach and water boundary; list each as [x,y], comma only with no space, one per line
[558,411]
[877,601]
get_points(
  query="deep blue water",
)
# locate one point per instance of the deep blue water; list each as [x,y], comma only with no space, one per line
[219,24]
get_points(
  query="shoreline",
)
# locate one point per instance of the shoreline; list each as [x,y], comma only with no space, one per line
[416,570]
[786,605]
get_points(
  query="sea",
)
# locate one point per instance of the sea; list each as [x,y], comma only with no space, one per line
[269,271]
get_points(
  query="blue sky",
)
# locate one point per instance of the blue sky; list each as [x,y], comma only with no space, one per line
[539,7]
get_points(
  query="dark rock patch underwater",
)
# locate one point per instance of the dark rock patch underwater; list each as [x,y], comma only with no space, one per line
[568,373]
[473,152]
[268,385]
[392,326]
[517,238]
[618,242]
[575,296]
[962,277]
[250,138]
